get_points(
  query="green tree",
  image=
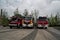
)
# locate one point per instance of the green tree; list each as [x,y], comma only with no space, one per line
[25,12]
[53,20]
[4,18]
[16,13]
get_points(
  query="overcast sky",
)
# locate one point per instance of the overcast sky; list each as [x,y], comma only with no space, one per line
[45,7]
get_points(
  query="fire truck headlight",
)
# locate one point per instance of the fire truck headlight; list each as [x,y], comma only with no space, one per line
[46,25]
[24,24]
[30,24]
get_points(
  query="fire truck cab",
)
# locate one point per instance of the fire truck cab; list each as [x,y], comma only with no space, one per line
[42,22]
[27,22]
[15,22]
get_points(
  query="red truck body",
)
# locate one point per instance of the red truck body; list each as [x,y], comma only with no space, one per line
[15,22]
[42,22]
[27,22]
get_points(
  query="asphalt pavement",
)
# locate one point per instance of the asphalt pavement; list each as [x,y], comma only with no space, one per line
[29,34]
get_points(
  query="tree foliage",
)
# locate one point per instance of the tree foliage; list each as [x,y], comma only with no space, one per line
[25,12]
[3,18]
[53,21]
[16,13]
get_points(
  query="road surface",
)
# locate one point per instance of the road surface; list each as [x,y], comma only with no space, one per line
[29,34]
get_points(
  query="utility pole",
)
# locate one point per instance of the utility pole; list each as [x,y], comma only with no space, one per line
[1,12]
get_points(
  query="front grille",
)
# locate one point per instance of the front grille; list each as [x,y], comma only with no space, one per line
[26,22]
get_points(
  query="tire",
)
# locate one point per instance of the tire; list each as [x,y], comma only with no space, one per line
[21,26]
[32,27]
[18,26]
[10,27]
[45,28]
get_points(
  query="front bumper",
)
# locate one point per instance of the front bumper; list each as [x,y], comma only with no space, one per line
[29,25]
[12,24]
[42,25]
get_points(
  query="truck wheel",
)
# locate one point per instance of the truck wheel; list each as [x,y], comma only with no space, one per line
[32,27]
[10,27]
[18,26]
[45,28]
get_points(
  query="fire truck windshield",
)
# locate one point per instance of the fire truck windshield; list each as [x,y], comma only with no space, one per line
[42,18]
